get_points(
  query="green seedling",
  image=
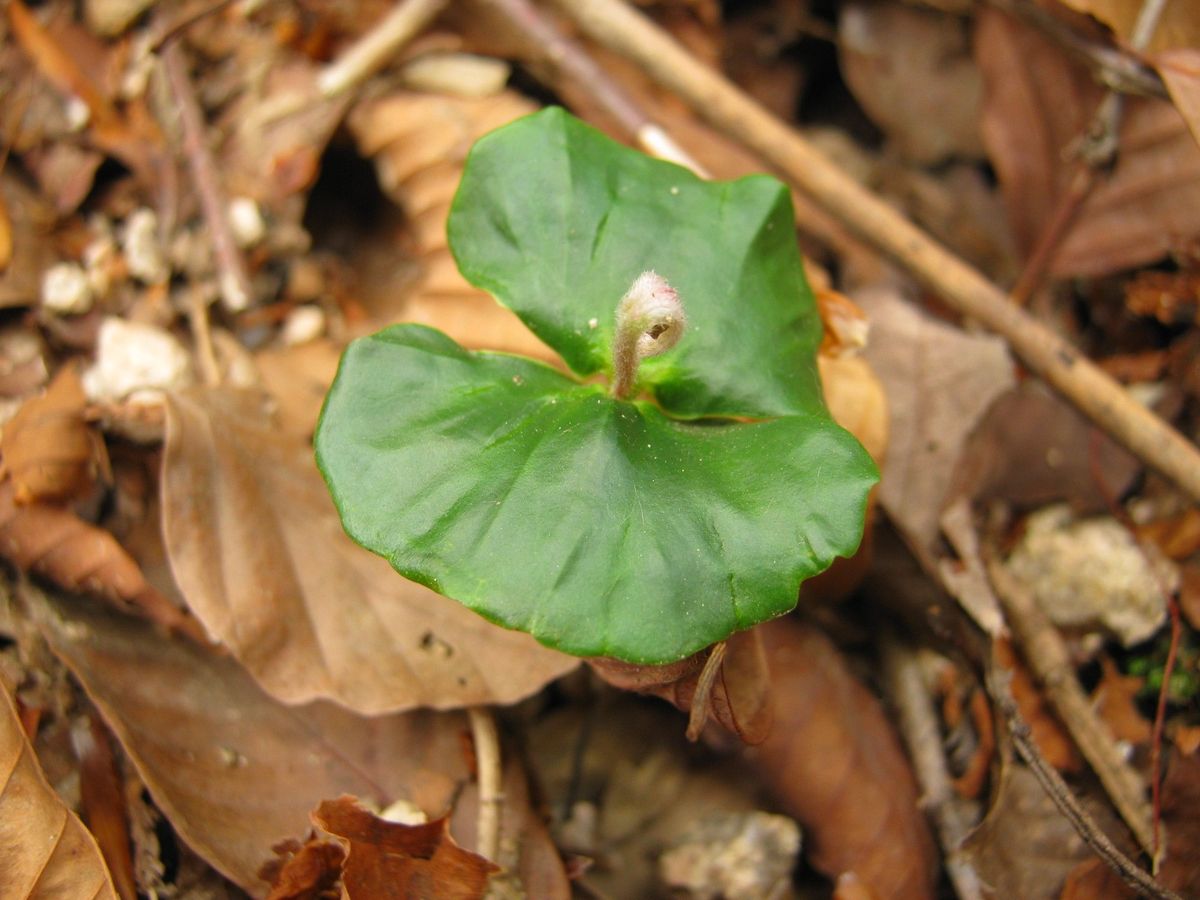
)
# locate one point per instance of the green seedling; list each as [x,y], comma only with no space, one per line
[685,477]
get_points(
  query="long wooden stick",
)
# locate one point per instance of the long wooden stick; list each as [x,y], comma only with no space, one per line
[617,26]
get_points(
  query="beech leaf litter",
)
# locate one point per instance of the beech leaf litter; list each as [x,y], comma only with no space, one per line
[210,691]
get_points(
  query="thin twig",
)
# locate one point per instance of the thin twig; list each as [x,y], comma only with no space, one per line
[1058,791]
[919,727]
[571,62]
[487,764]
[378,46]
[1047,656]
[232,277]
[614,24]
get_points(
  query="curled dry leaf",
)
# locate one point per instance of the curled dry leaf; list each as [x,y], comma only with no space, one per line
[386,859]
[236,772]
[419,143]
[305,871]
[49,451]
[259,553]
[1037,104]
[833,762]
[740,698]
[78,556]
[47,851]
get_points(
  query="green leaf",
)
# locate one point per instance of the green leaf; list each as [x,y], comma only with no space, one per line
[556,220]
[643,530]
[601,527]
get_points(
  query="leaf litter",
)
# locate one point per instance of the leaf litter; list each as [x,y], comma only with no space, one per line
[326,664]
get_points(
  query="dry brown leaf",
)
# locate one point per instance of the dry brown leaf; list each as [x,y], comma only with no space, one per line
[131,135]
[32,220]
[6,235]
[833,762]
[1115,700]
[298,378]
[258,551]
[1177,24]
[1032,448]
[418,143]
[1171,297]
[236,772]
[938,381]
[1037,105]
[78,556]
[741,694]
[1047,732]
[1180,870]
[102,802]
[386,859]
[1189,593]
[270,156]
[48,449]
[1180,71]
[308,871]
[47,851]
[884,49]
[1024,847]
[1093,879]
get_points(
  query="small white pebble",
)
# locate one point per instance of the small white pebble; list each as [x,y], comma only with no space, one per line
[65,289]
[132,357]
[246,221]
[303,324]
[143,253]
[78,113]
[402,812]
[98,257]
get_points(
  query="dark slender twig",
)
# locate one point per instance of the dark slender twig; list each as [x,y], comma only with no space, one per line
[1130,872]
[233,279]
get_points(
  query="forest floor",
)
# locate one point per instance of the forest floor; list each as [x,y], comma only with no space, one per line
[210,691]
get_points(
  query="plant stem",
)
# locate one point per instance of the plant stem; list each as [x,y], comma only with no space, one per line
[487,763]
